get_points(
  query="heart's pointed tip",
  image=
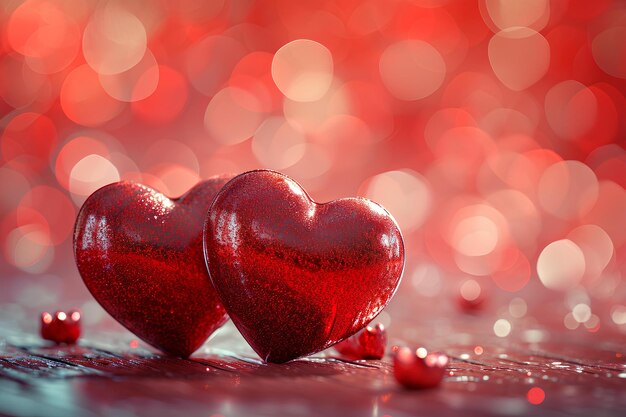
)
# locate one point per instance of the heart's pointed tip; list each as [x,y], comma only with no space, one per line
[277,358]
[177,353]
[277,361]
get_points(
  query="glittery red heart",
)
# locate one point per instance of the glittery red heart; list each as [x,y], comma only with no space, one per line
[140,255]
[296,276]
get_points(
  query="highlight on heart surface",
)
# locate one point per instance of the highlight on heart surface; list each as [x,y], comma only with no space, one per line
[296,276]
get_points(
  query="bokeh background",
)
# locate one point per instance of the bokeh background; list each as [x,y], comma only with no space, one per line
[493,130]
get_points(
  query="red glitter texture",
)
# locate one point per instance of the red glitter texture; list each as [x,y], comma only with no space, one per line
[140,255]
[61,327]
[416,372]
[296,276]
[369,343]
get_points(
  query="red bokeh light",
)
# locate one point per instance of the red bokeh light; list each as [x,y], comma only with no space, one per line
[535,395]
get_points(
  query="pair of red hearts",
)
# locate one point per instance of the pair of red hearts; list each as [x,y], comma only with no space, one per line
[295,276]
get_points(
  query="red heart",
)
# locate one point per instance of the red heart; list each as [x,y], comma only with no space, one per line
[140,255]
[296,276]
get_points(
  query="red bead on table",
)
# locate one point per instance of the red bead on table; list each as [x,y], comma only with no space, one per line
[417,369]
[471,297]
[61,327]
[368,343]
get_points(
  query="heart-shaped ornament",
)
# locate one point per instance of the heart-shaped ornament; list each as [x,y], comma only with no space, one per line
[296,276]
[140,255]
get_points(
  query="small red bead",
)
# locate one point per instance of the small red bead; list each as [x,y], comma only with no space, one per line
[61,327]
[471,306]
[416,369]
[368,343]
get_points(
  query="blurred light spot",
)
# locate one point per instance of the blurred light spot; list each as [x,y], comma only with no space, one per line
[421,352]
[176,179]
[20,86]
[384,318]
[502,121]
[277,144]
[134,84]
[311,116]
[570,322]
[475,236]
[44,34]
[475,92]
[345,133]
[29,137]
[167,153]
[608,212]
[114,40]
[517,307]
[370,16]
[90,173]
[303,70]
[405,194]
[485,265]
[530,13]
[209,62]
[14,187]
[618,314]
[609,163]
[513,272]
[444,120]
[412,69]
[232,116]
[168,100]
[426,278]
[593,323]
[609,49]
[535,395]
[72,152]
[478,224]
[596,245]
[519,57]
[581,312]
[502,328]
[470,290]
[315,162]
[521,215]
[83,99]
[571,109]
[535,336]
[49,208]
[46,318]
[478,350]
[198,11]
[254,73]
[578,295]
[461,152]
[29,248]
[92,313]
[568,189]
[561,265]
